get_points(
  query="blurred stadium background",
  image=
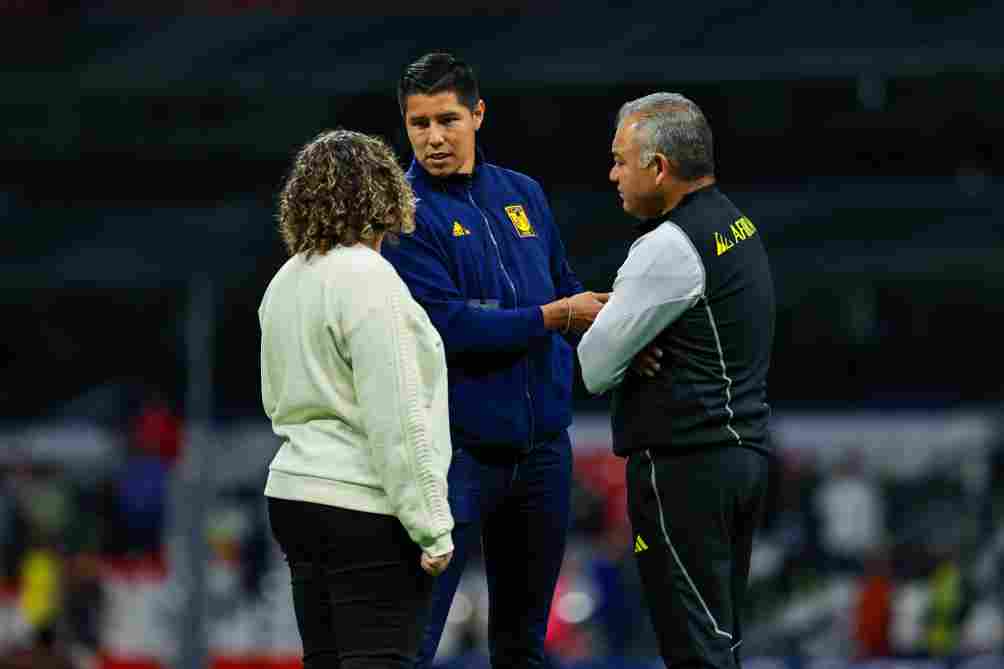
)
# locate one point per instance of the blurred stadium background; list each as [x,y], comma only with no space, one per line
[142,148]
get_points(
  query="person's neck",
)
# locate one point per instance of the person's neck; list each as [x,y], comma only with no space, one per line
[463,174]
[373,243]
[685,188]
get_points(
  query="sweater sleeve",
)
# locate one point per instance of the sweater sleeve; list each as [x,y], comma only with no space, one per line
[423,263]
[267,398]
[268,395]
[382,345]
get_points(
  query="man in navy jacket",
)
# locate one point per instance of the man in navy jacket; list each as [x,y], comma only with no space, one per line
[487,264]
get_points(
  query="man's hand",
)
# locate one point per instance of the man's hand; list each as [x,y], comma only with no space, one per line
[575,313]
[584,308]
[434,566]
[646,363]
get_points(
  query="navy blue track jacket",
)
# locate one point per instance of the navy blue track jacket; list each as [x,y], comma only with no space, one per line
[485,254]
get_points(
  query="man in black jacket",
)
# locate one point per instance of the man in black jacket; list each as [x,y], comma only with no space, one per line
[685,343]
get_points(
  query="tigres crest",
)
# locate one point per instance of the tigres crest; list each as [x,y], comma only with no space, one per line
[519,220]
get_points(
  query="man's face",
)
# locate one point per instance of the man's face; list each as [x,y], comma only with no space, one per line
[638,186]
[441,131]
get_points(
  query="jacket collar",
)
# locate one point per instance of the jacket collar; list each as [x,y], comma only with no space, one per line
[456,180]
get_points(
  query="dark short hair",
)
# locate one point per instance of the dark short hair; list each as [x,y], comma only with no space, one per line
[438,73]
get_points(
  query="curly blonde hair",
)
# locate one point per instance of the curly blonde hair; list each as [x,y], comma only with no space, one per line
[344,187]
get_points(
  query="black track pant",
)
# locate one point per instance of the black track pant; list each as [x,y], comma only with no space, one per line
[693,517]
[360,596]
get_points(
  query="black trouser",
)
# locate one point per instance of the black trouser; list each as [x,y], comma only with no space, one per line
[360,595]
[693,517]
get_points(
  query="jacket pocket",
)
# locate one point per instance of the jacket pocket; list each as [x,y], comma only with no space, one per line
[489,408]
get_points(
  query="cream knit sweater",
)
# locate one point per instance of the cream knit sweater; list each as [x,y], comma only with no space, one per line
[353,378]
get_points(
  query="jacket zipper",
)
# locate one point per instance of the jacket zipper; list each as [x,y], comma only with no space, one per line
[515,296]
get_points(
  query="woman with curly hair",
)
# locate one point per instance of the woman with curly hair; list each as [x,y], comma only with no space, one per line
[353,378]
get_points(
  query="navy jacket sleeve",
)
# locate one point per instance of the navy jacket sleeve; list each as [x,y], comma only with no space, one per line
[566,283]
[421,260]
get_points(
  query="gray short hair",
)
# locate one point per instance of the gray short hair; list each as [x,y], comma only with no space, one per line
[674,126]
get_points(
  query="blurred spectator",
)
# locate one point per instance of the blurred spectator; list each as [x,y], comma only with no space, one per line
[254,542]
[44,498]
[12,532]
[44,653]
[851,512]
[84,594]
[41,586]
[138,494]
[158,430]
[84,601]
[140,500]
[600,515]
[873,610]
[983,629]
[948,606]
[793,525]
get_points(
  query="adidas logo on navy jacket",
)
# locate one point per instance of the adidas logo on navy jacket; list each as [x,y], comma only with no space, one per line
[485,254]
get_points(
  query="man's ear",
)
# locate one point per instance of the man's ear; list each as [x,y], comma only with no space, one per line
[479,114]
[661,165]
[664,167]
